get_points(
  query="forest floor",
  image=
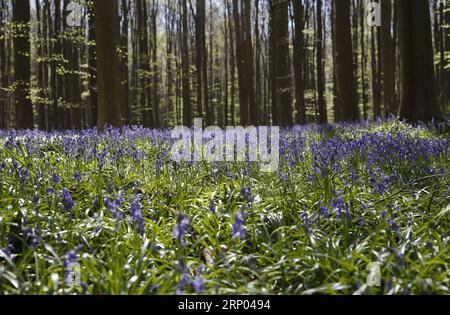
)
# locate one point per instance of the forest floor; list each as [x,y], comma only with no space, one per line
[111,213]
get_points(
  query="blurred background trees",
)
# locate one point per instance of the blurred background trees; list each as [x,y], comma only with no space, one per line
[161,63]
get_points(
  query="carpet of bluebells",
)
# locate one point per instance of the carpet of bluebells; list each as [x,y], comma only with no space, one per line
[137,222]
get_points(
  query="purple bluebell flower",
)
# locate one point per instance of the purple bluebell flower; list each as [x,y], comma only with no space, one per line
[182,284]
[77,176]
[198,284]
[56,179]
[246,192]
[181,228]
[323,212]
[212,207]
[238,228]
[31,237]
[136,214]
[307,222]
[67,200]
[113,207]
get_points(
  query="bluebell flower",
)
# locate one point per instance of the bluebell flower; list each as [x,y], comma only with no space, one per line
[182,284]
[323,212]
[56,179]
[198,284]
[246,192]
[31,237]
[181,228]
[77,176]
[67,200]
[136,214]
[238,228]
[212,207]
[307,222]
[113,207]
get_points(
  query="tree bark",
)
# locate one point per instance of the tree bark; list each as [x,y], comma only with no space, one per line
[22,66]
[344,62]
[187,113]
[281,98]
[418,101]
[322,106]
[298,62]
[108,73]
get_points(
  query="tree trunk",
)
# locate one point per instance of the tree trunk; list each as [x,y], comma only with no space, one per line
[281,98]
[322,106]
[388,59]
[187,114]
[3,72]
[298,62]
[92,82]
[376,88]
[344,62]
[418,101]
[108,76]
[243,99]
[22,71]
[124,63]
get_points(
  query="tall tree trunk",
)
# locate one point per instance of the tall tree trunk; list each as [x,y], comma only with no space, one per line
[107,37]
[363,59]
[3,72]
[322,106]
[124,63]
[344,62]
[187,112]
[154,67]
[248,62]
[40,67]
[240,61]
[232,64]
[376,88]
[201,62]
[336,99]
[22,71]
[92,82]
[281,98]
[298,62]
[388,59]
[418,102]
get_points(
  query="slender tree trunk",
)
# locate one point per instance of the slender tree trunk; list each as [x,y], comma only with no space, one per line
[232,65]
[363,59]
[124,63]
[156,114]
[388,59]
[108,77]
[376,88]
[40,67]
[3,72]
[344,62]
[249,61]
[298,62]
[336,99]
[187,118]
[322,106]
[22,71]
[243,99]
[92,82]
[281,98]
[418,101]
